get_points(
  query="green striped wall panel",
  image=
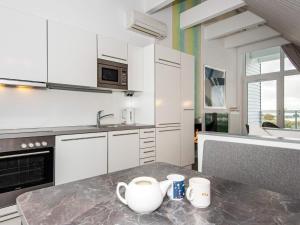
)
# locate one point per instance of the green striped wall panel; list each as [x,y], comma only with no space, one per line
[188,41]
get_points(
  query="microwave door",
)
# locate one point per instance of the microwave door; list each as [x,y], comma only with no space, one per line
[109,75]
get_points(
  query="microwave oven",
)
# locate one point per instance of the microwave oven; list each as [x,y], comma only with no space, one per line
[112,75]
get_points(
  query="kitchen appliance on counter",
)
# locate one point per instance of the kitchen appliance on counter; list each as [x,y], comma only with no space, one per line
[26,163]
[128,116]
[112,75]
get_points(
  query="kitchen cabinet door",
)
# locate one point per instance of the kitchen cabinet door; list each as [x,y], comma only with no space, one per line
[14,221]
[187,81]
[112,49]
[23,44]
[168,145]
[72,55]
[80,156]
[123,150]
[168,98]
[135,68]
[187,138]
[167,56]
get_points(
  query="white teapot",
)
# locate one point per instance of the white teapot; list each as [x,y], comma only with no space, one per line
[143,194]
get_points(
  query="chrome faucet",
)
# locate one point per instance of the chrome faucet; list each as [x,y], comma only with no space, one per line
[99,117]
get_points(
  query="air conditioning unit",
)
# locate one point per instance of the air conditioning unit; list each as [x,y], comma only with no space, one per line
[147,25]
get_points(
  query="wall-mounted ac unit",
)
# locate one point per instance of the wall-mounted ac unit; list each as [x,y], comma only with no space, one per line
[147,25]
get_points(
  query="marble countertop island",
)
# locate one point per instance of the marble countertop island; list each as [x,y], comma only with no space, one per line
[93,202]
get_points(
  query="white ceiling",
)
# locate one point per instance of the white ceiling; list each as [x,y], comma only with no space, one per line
[281,15]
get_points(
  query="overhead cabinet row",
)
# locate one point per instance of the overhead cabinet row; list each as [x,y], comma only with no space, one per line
[28,43]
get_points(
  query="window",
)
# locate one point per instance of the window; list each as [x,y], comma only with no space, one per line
[287,64]
[292,101]
[263,61]
[269,101]
[262,102]
[272,82]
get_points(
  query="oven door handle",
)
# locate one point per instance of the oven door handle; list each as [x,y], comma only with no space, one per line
[23,155]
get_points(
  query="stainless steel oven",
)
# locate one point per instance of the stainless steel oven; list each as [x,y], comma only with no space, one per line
[112,75]
[25,164]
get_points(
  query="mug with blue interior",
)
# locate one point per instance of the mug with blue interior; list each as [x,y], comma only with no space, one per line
[177,190]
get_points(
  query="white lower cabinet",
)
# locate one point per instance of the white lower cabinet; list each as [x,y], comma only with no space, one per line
[147,146]
[187,138]
[168,145]
[123,150]
[10,216]
[80,156]
[14,221]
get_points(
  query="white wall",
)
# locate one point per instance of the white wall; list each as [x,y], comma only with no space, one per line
[42,108]
[214,54]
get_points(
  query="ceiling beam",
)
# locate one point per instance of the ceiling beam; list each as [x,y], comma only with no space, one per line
[153,6]
[250,36]
[207,11]
[232,25]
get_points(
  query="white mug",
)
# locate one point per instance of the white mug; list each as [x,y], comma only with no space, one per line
[177,190]
[198,192]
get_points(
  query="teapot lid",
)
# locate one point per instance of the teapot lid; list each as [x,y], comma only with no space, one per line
[144,181]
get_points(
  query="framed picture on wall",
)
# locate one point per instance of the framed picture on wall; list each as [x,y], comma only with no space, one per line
[214,88]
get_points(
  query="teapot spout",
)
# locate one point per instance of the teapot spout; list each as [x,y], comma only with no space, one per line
[164,186]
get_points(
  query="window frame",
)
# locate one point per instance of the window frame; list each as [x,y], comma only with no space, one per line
[278,76]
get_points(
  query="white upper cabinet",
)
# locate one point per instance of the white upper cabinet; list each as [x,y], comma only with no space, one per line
[167,56]
[23,46]
[187,81]
[72,55]
[112,49]
[135,68]
[168,99]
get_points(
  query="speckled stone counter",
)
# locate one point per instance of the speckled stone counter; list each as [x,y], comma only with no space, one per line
[94,202]
[68,130]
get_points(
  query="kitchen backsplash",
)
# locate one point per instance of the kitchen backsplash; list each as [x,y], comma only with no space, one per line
[31,108]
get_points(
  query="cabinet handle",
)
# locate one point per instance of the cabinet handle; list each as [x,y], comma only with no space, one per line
[168,61]
[10,216]
[149,161]
[168,130]
[114,57]
[164,124]
[148,151]
[24,155]
[145,142]
[124,134]
[83,138]
[148,132]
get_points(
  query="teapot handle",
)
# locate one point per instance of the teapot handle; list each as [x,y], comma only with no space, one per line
[121,184]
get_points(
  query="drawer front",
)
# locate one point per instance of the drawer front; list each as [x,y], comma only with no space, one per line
[147,133]
[147,152]
[147,161]
[147,143]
